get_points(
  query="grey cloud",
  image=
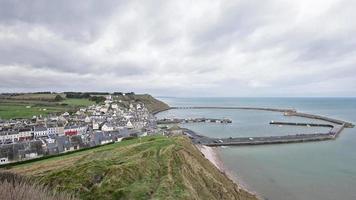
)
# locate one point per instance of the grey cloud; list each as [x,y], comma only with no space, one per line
[79,20]
[196,48]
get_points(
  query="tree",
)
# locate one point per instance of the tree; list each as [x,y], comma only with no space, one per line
[58,98]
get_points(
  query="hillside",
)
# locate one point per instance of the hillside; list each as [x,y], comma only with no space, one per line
[30,104]
[154,167]
[153,105]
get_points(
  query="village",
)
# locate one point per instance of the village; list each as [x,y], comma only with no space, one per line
[111,121]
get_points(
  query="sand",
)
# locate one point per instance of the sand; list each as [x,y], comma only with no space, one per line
[212,155]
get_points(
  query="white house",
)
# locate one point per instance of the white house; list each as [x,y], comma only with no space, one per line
[114,106]
[96,125]
[107,127]
[4,161]
[104,109]
[31,155]
[75,130]
[87,119]
[138,106]
[40,131]
[9,136]
[129,124]
[106,141]
[55,130]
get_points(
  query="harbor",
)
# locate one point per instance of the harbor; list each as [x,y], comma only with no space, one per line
[336,127]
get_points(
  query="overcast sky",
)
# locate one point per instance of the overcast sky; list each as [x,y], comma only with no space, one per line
[180,48]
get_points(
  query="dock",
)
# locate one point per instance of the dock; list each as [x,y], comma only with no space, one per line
[236,108]
[301,124]
[193,120]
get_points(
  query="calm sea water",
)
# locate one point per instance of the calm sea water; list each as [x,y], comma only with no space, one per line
[308,171]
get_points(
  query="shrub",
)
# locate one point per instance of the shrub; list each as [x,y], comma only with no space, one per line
[58,98]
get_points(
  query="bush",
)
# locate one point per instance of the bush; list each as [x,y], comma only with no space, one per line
[97,99]
[58,98]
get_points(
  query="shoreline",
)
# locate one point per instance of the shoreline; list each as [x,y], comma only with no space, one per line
[212,155]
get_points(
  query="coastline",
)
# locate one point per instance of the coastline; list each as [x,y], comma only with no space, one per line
[211,153]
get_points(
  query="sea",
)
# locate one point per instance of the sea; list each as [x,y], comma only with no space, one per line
[302,171]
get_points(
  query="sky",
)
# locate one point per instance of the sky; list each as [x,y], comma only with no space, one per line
[180,48]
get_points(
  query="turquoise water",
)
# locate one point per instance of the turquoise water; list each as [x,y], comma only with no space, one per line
[308,171]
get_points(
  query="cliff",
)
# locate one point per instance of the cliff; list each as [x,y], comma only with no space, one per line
[153,105]
[153,167]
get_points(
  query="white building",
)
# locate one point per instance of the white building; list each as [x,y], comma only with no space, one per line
[104,109]
[4,161]
[55,130]
[96,125]
[107,127]
[87,119]
[75,130]
[138,106]
[40,131]
[114,106]
[9,136]
[129,124]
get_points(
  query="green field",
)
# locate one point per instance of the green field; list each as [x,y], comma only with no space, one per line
[13,110]
[154,167]
[26,106]
[78,102]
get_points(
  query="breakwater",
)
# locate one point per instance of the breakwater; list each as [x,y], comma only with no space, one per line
[286,112]
[300,124]
[236,108]
[319,117]
[193,120]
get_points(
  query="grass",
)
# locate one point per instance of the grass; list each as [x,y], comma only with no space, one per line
[36,97]
[78,102]
[153,167]
[27,108]
[153,105]
[15,187]
[9,110]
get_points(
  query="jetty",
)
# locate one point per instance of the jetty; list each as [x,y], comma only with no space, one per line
[236,108]
[193,120]
[301,124]
[336,127]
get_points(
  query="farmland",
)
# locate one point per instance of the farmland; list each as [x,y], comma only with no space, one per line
[29,105]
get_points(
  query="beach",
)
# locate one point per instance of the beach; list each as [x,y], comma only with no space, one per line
[212,155]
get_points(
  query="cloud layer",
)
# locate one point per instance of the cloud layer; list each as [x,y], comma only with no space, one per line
[180,48]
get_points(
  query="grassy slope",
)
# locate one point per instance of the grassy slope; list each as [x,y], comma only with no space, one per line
[152,104]
[153,167]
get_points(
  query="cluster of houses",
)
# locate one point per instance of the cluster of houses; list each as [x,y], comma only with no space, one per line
[91,126]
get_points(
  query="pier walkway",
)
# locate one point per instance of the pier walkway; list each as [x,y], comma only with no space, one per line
[193,120]
[336,128]
[236,108]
